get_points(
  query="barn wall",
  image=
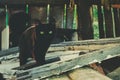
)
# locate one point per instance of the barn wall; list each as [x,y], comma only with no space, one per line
[108,17]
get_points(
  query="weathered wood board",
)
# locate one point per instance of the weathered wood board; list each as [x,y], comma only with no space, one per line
[71,45]
[9,51]
[67,65]
[85,73]
[33,64]
[73,54]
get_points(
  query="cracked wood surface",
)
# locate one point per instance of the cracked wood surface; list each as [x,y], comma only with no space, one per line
[59,67]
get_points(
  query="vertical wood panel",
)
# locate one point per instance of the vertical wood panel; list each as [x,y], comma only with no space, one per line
[108,23]
[57,13]
[100,19]
[2,23]
[5,31]
[117,21]
[39,13]
[84,19]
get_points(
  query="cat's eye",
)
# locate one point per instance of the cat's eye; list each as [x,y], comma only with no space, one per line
[41,32]
[50,32]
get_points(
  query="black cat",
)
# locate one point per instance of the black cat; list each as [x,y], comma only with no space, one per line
[35,42]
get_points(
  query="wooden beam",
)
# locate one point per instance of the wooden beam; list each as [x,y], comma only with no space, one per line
[34,2]
[5,39]
[80,74]
[67,65]
[9,51]
[88,42]
[62,46]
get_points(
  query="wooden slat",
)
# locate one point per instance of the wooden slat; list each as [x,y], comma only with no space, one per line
[31,2]
[64,66]
[61,46]
[82,74]
[9,51]
[89,42]
[52,57]
[60,77]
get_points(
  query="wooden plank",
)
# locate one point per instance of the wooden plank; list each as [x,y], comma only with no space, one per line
[52,57]
[2,24]
[62,46]
[89,42]
[64,66]
[82,74]
[9,51]
[60,77]
[31,2]
[82,48]
[60,51]
[33,64]
[5,39]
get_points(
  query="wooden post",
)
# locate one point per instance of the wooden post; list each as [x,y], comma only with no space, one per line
[104,27]
[2,23]
[108,23]
[48,13]
[75,24]
[113,20]
[65,16]
[117,20]
[101,20]
[84,19]
[5,38]
[95,22]
[5,34]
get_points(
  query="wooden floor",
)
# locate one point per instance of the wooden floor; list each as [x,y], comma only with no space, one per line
[73,56]
[81,74]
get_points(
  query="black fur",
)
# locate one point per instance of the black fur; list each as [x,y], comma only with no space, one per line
[43,41]
[36,40]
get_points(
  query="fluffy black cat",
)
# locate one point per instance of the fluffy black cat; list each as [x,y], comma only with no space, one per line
[35,42]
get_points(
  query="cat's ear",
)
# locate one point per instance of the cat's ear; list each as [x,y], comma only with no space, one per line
[52,21]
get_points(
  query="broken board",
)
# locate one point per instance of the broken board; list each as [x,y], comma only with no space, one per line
[84,52]
[59,67]
[33,64]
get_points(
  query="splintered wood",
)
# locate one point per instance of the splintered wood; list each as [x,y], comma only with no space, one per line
[59,67]
[80,74]
[72,55]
